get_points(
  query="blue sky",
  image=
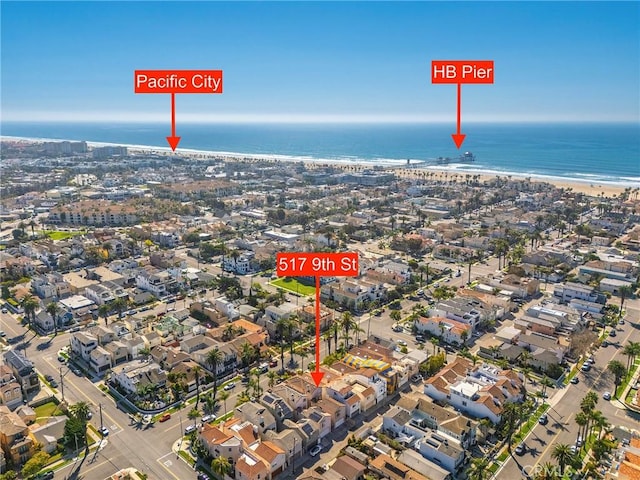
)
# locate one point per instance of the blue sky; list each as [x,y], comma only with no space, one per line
[322,61]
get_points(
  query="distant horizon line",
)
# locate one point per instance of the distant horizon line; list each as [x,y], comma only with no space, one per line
[190,118]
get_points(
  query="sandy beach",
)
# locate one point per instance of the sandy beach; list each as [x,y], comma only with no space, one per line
[399,167]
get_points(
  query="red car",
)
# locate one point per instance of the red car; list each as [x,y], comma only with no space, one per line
[273,363]
[165,417]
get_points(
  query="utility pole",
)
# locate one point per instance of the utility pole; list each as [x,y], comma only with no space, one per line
[181,436]
[62,384]
[100,407]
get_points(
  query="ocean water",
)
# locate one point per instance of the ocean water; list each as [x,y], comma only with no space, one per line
[593,153]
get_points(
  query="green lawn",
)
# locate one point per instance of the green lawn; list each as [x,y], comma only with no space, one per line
[293,285]
[58,235]
[48,410]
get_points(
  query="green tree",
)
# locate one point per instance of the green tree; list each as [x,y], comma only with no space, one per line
[247,354]
[562,454]
[221,466]
[478,469]
[53,309]
[619,371]
[74,431]
[29,305]
[35,463]
[103,311]
[224,396]
[193,414]
[214,357]
[625,292]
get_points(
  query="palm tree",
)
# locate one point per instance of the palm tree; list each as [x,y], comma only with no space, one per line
[224,396]
[272,376]
[625,292]
[478,469]
[619,371]
[196,372]
[221,466]
[302,353]
[210,402]
[582,420]
[600,422]
[546,383]
[282,327]
[562,453]
[80,411]
[214,357]
[29,304]
[53,309]
[247,353]
[347,323]
[103,311]
[119,304]
[194,413]
[629,351]
[327,336]
[435,342]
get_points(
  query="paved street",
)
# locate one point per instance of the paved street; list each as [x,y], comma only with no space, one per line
[148,450]
[562,427]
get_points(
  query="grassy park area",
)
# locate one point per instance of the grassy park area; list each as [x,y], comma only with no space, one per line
[58,235]
[294,286]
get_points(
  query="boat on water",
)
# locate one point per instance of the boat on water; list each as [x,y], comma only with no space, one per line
[466,157]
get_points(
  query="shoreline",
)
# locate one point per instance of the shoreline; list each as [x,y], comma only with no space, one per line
[412,170]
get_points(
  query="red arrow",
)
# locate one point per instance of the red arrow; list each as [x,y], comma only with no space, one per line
[317,375]
[173,140]
[458,137]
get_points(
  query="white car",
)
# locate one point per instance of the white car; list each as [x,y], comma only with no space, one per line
[104,431]
[606,396]
[315,450]
[402,343]
[229,386]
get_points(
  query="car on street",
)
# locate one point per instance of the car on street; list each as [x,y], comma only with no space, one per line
[89,415]
[2,333]
[521,449]
[44,476]
[208,418]
[574,449]
[605,343]
[165,417]
[203,476]
[612,333]
[586,367]
[575,380]
[315,450]
[397,328]
[416,378]
[61,359]
[273,363]
[48,378]
[606,395]
[419,338]
[544,419]
[189,429]
[229,386]
[76,371]
[402,343]
[104,431]
[53,383]
[621,322]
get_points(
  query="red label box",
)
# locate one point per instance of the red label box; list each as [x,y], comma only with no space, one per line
[177,81]
[462,71]
[317,264]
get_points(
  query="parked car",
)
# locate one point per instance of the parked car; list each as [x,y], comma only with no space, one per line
[273,363]
[416,378]
[402,343]
[606,396]
[419,338]
[575,380]
[48,378]
[543,420]
[76,371]
[208,418]
[574,449]
[397,328]
[104,431]
[521,449]
[315,450]
[230,386]
[53,383]
[2,333]
[44,476]
[612,333]
[586,367]
[203,476]
[165,417]
[61,359]
[189,429]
